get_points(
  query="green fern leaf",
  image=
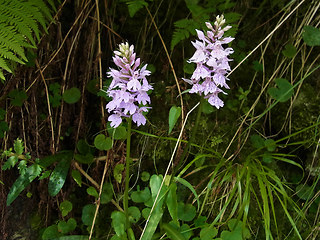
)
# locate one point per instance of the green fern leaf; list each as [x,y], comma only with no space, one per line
[19,26]
[1,75]
[135,6]
[4,65]
[184,28]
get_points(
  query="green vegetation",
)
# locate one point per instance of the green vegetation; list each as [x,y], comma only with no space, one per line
[248,170]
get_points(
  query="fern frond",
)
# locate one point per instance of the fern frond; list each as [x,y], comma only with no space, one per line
[19,26]
[183,29]
[4,64]
[10,39]
[2,76]
[135,6]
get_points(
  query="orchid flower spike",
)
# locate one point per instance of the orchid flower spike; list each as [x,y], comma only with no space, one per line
[212,62]
[128,88]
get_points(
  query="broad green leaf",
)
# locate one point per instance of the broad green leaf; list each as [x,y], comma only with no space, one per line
[141,196]
[120,133]
[117,172]
[188,68]
[49,160]
[304,192]
[172,202]
[154,220]
[173,231]
[186,231]
[206,107]
[283,91]
[311,36]
[92,191]
[77,177]
[208,233]
[85,159]
[237,231]
[191,188]
[88,214]
[59,175]
[118,222]
[174,115]
[51,232]
[102,142]
[186,212]
[156,215]
[66,227]
[134,214]
[107,193]
[71,95]
[22,182]
[289,51]
[83,147]
[73,237]
[65,207]
[200,222]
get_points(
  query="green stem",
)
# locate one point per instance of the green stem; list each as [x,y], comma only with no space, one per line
[193,134]
[126,191]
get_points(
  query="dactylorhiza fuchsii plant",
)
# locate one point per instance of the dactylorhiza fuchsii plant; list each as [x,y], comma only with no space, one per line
[212,62]
[128,88]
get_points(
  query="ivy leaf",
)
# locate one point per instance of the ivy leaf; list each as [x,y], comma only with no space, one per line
[311,36]
[83,147]
[257,141]
[145,176]
[186,212]
[117,172]
[92,191]
[71,95]
[174,115]
[107,193]
[102,142]
[65,207]
[88,212]
[289,51]
[134,214]
[119,133]
[51,232]
[283,92]
[66,227]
